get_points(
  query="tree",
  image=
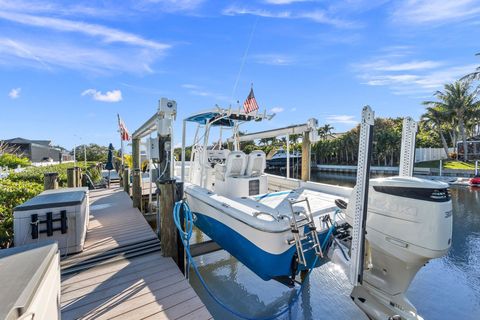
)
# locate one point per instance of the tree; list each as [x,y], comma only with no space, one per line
[325,131]
[457,101]
[94,152]
[432,119]
[475,75]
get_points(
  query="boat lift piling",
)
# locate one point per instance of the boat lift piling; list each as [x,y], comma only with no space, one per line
[306,149]
[360,202]
[160,150]
[407,153]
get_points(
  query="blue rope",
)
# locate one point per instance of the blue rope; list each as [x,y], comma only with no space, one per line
[186,234]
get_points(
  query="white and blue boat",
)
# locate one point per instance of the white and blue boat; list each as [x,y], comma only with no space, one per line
[229,196]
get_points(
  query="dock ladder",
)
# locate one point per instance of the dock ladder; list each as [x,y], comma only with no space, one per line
[299,220]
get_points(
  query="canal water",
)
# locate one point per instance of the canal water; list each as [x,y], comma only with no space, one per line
[446,288]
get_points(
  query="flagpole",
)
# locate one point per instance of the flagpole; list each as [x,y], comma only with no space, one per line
[121,140]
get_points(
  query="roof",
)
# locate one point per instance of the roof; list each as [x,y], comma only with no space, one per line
[222,117]
[43,142]
[19,140]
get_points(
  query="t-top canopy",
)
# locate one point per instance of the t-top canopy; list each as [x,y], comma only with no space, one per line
[223,117]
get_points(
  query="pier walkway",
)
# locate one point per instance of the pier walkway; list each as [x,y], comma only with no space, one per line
[121,273]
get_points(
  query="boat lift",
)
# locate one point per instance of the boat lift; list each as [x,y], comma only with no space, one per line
[159,149]
[162,122]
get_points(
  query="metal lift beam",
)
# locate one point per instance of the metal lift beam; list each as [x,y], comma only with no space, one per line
[361,197]
[407,154]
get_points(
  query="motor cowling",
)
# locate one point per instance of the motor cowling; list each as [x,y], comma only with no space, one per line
[409,222]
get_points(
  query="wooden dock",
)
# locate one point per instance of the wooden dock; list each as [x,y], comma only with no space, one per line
[121,273]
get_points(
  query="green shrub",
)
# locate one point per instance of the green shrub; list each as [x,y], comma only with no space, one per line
[35,174]
[12,194]
[12,161]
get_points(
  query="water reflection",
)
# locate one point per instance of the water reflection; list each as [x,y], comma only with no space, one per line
[447,288]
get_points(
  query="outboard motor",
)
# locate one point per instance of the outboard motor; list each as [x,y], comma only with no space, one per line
[409,222]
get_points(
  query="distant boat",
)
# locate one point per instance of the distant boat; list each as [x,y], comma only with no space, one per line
[475,181]
[279,159]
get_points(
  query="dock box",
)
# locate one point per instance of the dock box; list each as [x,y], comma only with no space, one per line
[61,215]
[30,282]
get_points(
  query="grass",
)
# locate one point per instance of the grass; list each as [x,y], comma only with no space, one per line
[447,164]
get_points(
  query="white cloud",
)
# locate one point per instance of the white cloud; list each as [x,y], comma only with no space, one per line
[281,2]
[173,5]
[111,9]
[108,35]
[33,53]
[384,65]
[196,90]
[273,59]
[89,47]
[190,86]
[406,76]
[109,96]
[15,93]
[436,11]
[343,118]
[319,16]
[277,109]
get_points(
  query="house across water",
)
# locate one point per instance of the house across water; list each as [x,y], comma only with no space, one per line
[37,150]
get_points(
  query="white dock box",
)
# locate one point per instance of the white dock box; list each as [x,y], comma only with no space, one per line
[30,278]
[61,215]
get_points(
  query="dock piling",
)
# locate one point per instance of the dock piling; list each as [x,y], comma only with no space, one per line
[71,177]
[78,177]
[126,180]
[50,180]
[306,147]
[168,231]
[137,175]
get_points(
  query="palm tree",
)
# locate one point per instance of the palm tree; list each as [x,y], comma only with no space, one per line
[474,75]
[433,119]
[325,131]
[457,100]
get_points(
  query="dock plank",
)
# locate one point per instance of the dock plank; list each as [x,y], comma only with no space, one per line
[107,281]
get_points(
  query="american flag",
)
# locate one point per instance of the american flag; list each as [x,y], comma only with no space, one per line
[250,104]
[123,129]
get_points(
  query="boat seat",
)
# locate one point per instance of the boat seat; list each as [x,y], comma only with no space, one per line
[234,166]
[256,163]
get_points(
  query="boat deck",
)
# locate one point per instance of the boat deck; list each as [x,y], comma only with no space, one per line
[121,272]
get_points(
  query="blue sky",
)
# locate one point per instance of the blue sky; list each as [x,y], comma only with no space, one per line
[68,67]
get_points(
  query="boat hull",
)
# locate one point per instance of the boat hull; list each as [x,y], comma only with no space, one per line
[265,264]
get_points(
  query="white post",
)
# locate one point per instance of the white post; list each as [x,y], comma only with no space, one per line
[288,156]
[172,152]
[184,129]
[148,146]
[440,167]
[122,149]
[476,167]
[360,200]
[407,153]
